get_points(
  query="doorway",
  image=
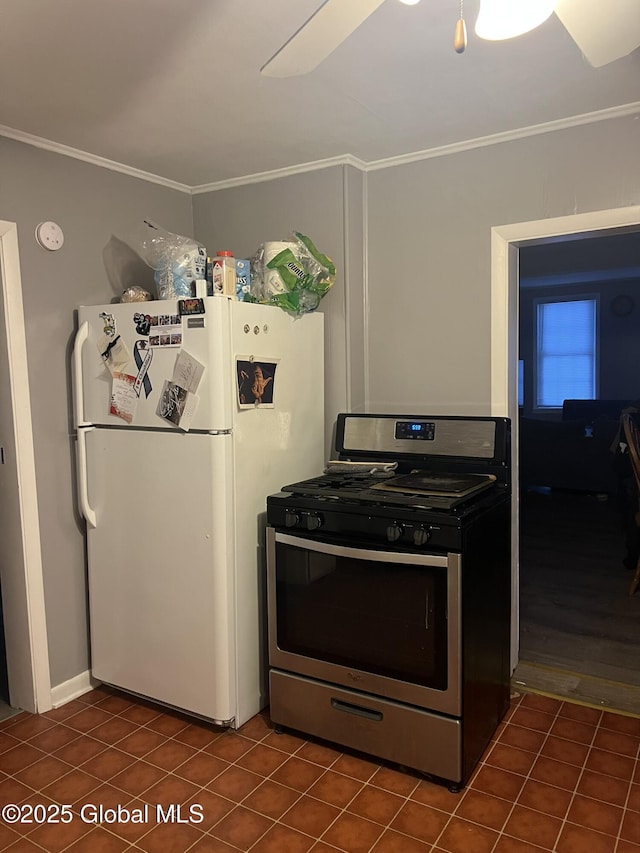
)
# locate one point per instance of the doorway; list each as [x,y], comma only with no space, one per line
[578,628]
[21,583]
[507,241]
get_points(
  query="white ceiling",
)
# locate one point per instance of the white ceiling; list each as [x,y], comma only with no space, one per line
[173,87]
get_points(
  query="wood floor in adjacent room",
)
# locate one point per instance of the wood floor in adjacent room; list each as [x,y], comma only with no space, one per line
[6,710]
[579,629]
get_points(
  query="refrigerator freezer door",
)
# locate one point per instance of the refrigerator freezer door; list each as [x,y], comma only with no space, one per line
[161,573]
[149,336]
[284,438]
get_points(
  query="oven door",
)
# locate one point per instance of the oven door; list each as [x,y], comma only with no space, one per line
[382,622]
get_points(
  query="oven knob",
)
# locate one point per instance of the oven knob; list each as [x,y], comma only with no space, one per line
[394,532]
[313,522]
[291,519]
[421,536]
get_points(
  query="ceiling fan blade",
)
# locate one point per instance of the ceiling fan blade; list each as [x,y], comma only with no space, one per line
[325,30]
[604,30]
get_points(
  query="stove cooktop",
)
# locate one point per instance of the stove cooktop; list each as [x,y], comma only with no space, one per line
[421,489]
[357,511]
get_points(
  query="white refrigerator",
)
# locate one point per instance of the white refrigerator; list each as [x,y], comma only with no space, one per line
[188,414]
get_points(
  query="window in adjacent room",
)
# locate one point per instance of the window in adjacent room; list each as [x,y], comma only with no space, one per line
[566,354]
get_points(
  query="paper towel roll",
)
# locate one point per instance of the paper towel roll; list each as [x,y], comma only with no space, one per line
[274,248]
[272,281]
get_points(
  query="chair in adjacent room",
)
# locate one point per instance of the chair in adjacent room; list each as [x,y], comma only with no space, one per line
[632,440]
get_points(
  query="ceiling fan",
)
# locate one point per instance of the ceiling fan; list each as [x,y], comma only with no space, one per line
[604,30]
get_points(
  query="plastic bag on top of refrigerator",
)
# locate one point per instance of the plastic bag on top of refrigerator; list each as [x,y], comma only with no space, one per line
[177,261]
[291,274]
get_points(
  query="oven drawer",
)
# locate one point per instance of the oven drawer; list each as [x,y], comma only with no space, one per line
[399,733]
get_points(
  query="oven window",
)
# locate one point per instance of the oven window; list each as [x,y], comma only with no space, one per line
[384,618]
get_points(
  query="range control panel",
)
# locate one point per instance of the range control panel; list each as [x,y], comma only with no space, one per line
[476,441]
[421,430]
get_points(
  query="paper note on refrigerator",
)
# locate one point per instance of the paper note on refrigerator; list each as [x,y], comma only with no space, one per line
[165,330]
[115,354]
[187,372]
[177,405]
[256,382]
[123,397]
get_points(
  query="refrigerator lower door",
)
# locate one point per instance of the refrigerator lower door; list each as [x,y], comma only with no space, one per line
[161,571]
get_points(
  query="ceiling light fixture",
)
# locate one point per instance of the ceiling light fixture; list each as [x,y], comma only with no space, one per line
[410,2]
[504,19]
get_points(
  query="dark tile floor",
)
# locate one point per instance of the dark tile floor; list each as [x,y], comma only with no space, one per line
[558,777]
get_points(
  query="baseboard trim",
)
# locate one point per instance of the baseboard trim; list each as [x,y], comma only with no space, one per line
[71,689]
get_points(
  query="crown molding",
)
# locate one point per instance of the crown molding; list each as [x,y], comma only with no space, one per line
[92,159]
[301,168]
[622,111]
[611,276]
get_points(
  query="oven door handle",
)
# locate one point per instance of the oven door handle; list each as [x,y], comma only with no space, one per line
[362,553]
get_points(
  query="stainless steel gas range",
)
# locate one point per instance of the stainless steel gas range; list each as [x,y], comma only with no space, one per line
[388,582]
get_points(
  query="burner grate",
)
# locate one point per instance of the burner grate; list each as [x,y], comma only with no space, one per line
[337,483]
[370,489]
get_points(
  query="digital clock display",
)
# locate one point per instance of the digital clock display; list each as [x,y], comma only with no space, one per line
[422,430]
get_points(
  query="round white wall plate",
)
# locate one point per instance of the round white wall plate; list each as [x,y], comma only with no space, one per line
[50,236]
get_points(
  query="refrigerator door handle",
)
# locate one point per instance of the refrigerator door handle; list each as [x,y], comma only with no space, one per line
[82,335]
[83,491]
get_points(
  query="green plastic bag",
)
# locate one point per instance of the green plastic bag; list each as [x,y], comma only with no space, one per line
[304,275]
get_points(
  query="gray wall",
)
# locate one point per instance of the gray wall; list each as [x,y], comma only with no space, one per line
[90,204]
[327,206]
[413,334]
[429,252]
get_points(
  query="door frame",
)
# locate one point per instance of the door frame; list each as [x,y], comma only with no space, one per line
[23,589]
[506,241]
